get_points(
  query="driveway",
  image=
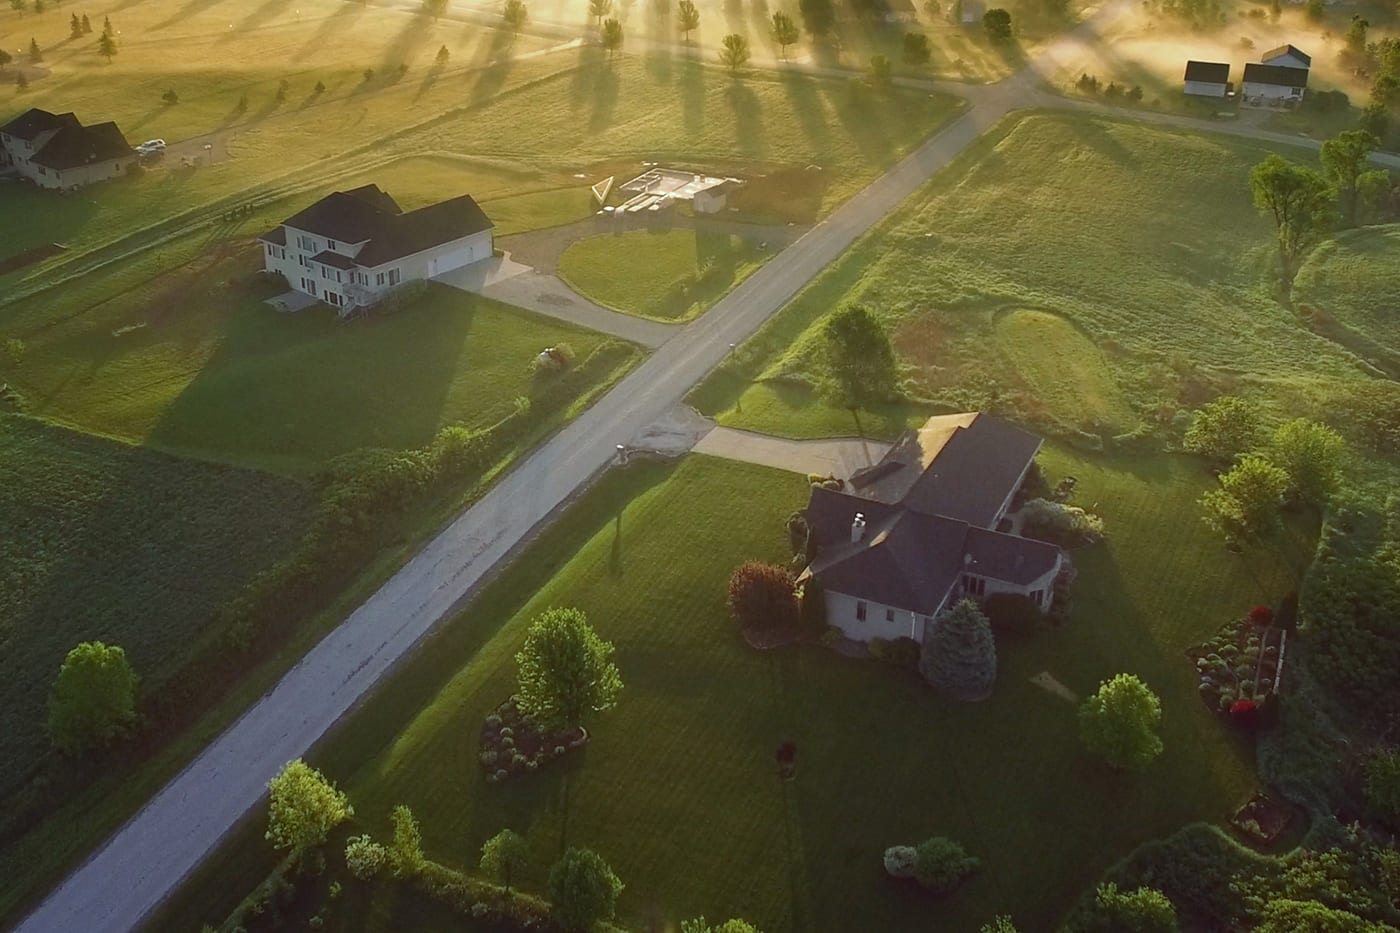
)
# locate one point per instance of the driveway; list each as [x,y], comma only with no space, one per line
[839,457]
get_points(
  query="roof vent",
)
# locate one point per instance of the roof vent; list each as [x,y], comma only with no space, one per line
[967,558]
[858,528]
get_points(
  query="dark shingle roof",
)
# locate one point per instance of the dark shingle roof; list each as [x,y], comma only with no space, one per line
[1287,50]
[1277,75]
[1008,557]
[277,236]
[975,472]
[1208,72]
[423,229]
[905,560]
[35,121]
[76,146]
[335,260]
[348,216]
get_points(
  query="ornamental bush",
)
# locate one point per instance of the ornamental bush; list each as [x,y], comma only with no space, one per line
[900,861]
[364,857]
[762,596]
[940,864]
[1057,522]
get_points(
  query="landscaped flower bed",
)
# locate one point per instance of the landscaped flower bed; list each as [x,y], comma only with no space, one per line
[511,744]
[1241,666]
[1262,819]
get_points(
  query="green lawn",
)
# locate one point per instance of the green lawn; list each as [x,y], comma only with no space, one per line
[212,370]
[120,544]
[1078,273]
[668,275]
[677,787]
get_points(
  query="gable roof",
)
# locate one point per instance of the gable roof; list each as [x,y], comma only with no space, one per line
[963,466]
[1276,75]
[34,121]
[337,260]
[1208,72]
[424,228]
[348,216]
[75,146]
[1286,49]
[926,506]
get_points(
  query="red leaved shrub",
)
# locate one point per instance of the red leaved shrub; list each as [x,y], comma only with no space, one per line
[1261,616]
[762,596]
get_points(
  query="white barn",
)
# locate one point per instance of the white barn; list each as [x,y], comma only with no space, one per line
[1287,56]
[1207,79]
[1274,82]
[351,248]
[915,533]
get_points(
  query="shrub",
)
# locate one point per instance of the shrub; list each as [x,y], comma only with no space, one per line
[940,865]
[1119,722]
[1066,525]
[812,606]
[1383,786]
[1144,910]
[1224,429]
[406,849]
[582,889]
[900,861]
[364,857]
[1261,616]
[961,656]
[762,596]
[1244,713]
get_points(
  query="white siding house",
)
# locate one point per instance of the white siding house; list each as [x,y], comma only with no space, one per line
[57,151]
[1264,83]
[352,248]
[1287,56]
[1207,79]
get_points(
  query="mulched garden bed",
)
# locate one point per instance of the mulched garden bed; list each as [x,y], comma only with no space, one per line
[1241,666]
[512,745]
[765,639]
[1262,819]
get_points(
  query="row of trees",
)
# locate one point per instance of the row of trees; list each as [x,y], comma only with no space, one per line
[1306,204]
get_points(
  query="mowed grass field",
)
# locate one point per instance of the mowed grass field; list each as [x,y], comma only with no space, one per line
[677,787]
[1082,274]
[1353,281]
[669,275]
[100,540]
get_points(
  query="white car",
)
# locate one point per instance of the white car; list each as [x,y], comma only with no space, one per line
[151,145]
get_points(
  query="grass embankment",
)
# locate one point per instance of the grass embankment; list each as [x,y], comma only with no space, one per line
[1350,286]
[119,544]
[667,275]
[677,788]
[1080,274]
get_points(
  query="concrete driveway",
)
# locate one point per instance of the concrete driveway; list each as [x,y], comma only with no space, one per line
[839,457]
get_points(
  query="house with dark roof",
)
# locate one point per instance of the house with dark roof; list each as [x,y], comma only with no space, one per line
[1287,56]
[910,536]
[351,248]
[1264,83]
[1208,79]
[55,150]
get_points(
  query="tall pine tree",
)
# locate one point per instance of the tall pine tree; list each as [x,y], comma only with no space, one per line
[960,655]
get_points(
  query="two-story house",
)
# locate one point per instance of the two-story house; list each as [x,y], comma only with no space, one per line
[55,150]
[913,534]
[351,248]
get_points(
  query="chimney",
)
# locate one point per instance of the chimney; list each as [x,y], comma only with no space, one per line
[858,528]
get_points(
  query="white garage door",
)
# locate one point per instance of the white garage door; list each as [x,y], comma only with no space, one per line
[454,259]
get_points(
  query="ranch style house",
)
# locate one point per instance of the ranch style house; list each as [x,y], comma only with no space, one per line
[912,535]
[55,150]
[351,248]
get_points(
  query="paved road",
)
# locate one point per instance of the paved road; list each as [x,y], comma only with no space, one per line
[836,456]
[138,867]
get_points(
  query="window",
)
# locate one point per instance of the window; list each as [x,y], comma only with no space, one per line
[333,297]
[889,615]
[394,276]
[974,585]
[330,245]
[306,243]
[379,278]
[860,610]
[1038,596]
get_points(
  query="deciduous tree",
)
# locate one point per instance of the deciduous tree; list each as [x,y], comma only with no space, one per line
[881,72]
[612,36]
[784,32]
[999,925]
[303,807]
[1119,723]
[1301,204]
[997,23]
[93,702]
[1345,163]
[597,9]
[1246,504]
[515,14]
[406,847]
[960,654]
[566,671]
[504,856]
[582,890]
[940,864]
[1143,910]
[1312,455]
[916,49]
[818,16]
[762,596]
[687,18]
[1224,429]
[734,52]
[860,356]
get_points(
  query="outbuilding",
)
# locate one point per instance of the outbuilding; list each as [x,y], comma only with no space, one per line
[1274,83]
[1288,56]
[1207,79]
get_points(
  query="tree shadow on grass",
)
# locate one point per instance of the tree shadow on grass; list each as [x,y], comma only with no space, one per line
[691,77]
[264,13]
[341,20]
[494,64]
[749,133]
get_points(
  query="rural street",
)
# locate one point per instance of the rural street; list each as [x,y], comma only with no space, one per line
[145,861]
